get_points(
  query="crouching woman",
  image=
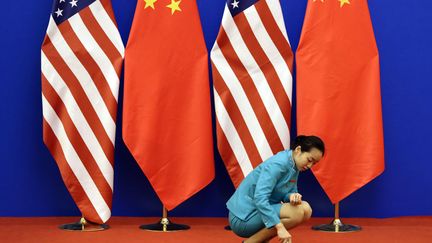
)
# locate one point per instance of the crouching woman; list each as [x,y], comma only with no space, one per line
[266,203]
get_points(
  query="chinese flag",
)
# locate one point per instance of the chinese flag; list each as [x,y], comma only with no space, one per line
[338,94]
[166,111]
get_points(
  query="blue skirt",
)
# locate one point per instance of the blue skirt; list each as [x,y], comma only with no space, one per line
[249,227]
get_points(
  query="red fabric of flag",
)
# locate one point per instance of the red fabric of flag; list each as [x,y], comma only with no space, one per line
[338,94]
[167,113]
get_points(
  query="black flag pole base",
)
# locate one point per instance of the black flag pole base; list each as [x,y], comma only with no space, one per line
[164,225]
[336,226]
[84,225]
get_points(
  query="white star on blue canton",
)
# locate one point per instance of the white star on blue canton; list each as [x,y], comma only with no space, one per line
[59,12]
[62,1]
[235,4]
[73,3]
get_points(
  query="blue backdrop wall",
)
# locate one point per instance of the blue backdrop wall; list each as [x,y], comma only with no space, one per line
[30,183]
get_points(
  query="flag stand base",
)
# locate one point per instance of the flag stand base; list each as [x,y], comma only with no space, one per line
[84,225]
[164,225]
[336,226]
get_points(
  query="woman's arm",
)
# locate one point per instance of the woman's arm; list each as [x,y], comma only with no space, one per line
[283,233]
[292,194]
[269,176]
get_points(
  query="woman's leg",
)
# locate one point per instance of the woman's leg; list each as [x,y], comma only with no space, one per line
[264,235]
[307,211]
[290,215]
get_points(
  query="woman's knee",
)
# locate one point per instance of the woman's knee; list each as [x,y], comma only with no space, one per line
[292,211]
[307,210]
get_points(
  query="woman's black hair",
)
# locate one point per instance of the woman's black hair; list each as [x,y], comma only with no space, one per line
[306,143]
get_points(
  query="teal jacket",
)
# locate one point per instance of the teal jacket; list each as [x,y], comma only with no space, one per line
[273,181]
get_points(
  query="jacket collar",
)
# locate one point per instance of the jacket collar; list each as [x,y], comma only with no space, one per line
[291,160]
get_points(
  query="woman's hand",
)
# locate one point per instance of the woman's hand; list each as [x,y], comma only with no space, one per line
[295,198]
[283,234]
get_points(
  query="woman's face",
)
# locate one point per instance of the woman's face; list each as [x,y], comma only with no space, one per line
[305,160]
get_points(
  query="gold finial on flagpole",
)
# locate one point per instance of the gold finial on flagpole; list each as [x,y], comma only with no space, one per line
[84,225]
[164,225]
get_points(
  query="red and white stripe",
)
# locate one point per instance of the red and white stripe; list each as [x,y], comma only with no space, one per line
[252,64]
[81,62]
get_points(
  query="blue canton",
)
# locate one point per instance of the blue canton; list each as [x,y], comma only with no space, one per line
[64,9]
[238,6]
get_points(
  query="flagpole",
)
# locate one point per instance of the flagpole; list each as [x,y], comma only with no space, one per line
[164,225]
[336,226]
[84,225]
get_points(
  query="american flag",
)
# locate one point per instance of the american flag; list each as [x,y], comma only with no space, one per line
[252,81]
[81,61]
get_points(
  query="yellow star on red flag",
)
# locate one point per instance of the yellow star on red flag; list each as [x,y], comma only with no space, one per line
[342,2]
[149,3]
[174,6]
